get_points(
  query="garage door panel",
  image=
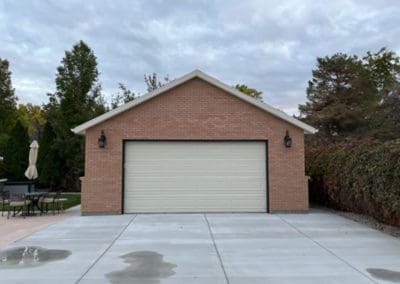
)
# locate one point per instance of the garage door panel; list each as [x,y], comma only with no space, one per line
[177,193]
[209,165]
[192,175]
[195,177]
[163,175]
[197,205]
[194,184]
[183,156]
[160,150]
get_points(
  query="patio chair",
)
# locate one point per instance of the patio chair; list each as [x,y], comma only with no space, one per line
[3,195]
[60,202]
[4,199]
[53,200]
[17,203]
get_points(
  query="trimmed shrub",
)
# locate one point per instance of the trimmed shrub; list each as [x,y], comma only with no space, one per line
[360,176]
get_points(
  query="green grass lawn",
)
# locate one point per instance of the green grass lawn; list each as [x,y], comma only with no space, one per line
[73,199]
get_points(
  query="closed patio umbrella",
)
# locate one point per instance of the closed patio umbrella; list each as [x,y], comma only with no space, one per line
[31,171]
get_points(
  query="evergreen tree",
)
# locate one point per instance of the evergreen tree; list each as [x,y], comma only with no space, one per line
[341,97]
[49,163]
[16,154]
[350,97]
[8,104]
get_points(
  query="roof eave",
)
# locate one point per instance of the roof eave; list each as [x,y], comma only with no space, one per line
[81,129]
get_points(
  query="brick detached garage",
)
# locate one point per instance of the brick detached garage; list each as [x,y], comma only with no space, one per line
[194,145]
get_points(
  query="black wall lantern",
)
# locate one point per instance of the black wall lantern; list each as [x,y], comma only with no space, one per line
[287,140]
[102,140]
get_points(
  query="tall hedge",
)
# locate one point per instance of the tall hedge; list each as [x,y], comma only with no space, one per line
[16,157]
[49,162]
[362,177]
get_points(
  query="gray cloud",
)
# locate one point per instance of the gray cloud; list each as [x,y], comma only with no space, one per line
[269,45]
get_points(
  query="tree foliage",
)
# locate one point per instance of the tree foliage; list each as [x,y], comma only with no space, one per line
[386,120]
[153,82]
[361,176]
[77,89]
[16,153]
[249,91]
[8,103]
[384,69]
[355,104]
[77,99]
[124,96]
[32,117]
[348,96]
[49,164]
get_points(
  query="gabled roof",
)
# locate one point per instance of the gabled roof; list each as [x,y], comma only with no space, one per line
[80,129]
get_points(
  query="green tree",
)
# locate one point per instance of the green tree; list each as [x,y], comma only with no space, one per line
[124,97]
[78,91]
[384,69]
[16,153]
[32,117]
[342,98]
[386,121]
[391,106]
[49,162]
[153,82]
[77,99]
[8,103]
[249,91]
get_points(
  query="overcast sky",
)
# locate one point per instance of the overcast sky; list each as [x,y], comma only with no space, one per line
[268,45]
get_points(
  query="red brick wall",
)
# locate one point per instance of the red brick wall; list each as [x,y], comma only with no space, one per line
[194,110]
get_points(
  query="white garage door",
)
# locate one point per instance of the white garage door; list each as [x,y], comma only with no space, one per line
[166,176]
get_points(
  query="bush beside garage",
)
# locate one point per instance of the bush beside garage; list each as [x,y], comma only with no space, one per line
[361,176]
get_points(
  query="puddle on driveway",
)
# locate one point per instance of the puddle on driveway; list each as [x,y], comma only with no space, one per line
[30,256]
[385,274]
[145,267]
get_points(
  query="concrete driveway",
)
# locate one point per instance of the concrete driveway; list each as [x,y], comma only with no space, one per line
[319,247]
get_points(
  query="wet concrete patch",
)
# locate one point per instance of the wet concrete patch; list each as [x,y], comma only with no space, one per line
[30,256]
[385,274]
[145,267]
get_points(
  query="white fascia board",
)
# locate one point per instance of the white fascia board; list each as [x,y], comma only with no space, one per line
[81,129]
[266,107]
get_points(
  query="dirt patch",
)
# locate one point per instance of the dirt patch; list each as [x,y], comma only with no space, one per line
[145,267]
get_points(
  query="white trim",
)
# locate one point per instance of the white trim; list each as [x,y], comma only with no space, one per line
[80,129]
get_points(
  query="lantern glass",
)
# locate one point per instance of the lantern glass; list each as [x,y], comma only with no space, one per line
[102,140]
[287,140]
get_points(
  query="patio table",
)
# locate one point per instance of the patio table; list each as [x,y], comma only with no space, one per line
[34,198]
